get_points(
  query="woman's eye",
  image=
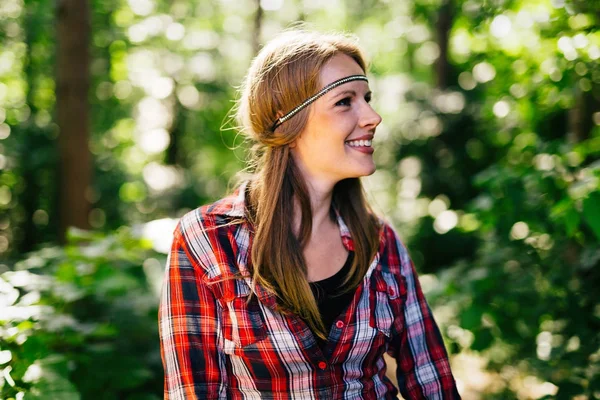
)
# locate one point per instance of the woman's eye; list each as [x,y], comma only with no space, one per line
[343,102]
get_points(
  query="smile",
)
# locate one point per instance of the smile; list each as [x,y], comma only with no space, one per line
[359,143]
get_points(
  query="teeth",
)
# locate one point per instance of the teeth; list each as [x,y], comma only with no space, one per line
[360,143]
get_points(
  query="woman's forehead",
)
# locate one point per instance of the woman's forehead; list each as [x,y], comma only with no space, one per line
[338,67]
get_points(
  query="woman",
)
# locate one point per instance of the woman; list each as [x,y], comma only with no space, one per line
[291,288]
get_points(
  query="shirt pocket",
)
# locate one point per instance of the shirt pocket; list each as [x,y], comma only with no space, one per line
[387,297]
[242,317]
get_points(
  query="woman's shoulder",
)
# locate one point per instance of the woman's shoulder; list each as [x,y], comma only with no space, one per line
[393,248]
[218,214]
[206,230]
[389,235]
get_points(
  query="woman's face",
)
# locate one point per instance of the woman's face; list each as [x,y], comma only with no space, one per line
[337,141]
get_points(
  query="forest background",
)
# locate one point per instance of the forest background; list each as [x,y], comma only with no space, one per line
[113,120]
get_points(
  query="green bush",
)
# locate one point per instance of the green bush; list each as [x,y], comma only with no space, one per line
[80,321]
[526,303]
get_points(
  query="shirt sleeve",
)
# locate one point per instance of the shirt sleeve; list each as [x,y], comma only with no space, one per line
[423,368]
[189,325]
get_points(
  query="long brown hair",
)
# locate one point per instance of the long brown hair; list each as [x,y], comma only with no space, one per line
[283,75]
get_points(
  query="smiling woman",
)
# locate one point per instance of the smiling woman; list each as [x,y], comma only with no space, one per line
[291,287]
[337,138]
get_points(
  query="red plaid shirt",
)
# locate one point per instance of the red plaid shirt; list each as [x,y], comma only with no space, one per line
[217,345]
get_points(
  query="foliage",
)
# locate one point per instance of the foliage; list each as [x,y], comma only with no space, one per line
[80,321]
[526,301]
[492,178]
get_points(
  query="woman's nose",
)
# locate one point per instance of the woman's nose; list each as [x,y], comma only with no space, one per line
[370,118]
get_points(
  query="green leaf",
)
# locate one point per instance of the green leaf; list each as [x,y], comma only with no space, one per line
[568,390]
[471,318]
[572,220]
[483,340]
[591,212]
[564,213]
[49,379]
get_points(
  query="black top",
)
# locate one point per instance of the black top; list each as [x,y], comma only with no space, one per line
[329,300]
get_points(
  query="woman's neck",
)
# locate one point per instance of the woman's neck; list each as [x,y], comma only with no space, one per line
[320,201]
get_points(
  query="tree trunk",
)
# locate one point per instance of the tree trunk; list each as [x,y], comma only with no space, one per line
[258,17]
[72,86]
[580,116]
[32,188]
[172,154]
[443,26]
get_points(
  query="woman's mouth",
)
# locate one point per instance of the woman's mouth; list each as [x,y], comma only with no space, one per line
[364,146]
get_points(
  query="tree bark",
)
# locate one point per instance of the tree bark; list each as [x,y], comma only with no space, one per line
[72,86]
[258,18]
[443,26]
[29,198]
[580,116]
[172,154]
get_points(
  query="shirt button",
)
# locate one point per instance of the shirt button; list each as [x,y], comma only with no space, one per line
[339,324]
[322,365]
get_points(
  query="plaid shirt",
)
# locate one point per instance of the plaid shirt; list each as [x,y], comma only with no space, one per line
[217,345]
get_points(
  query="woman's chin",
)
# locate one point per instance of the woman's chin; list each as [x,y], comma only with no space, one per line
[365,172]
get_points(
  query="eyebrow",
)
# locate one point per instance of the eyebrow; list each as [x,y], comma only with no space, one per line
[350,92]
[345,92]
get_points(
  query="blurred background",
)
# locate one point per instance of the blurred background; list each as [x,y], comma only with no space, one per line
[114,120]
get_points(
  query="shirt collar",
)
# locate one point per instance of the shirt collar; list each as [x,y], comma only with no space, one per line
[234,206]
[344,231]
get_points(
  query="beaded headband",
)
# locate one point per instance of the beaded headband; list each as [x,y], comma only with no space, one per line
[314,97]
